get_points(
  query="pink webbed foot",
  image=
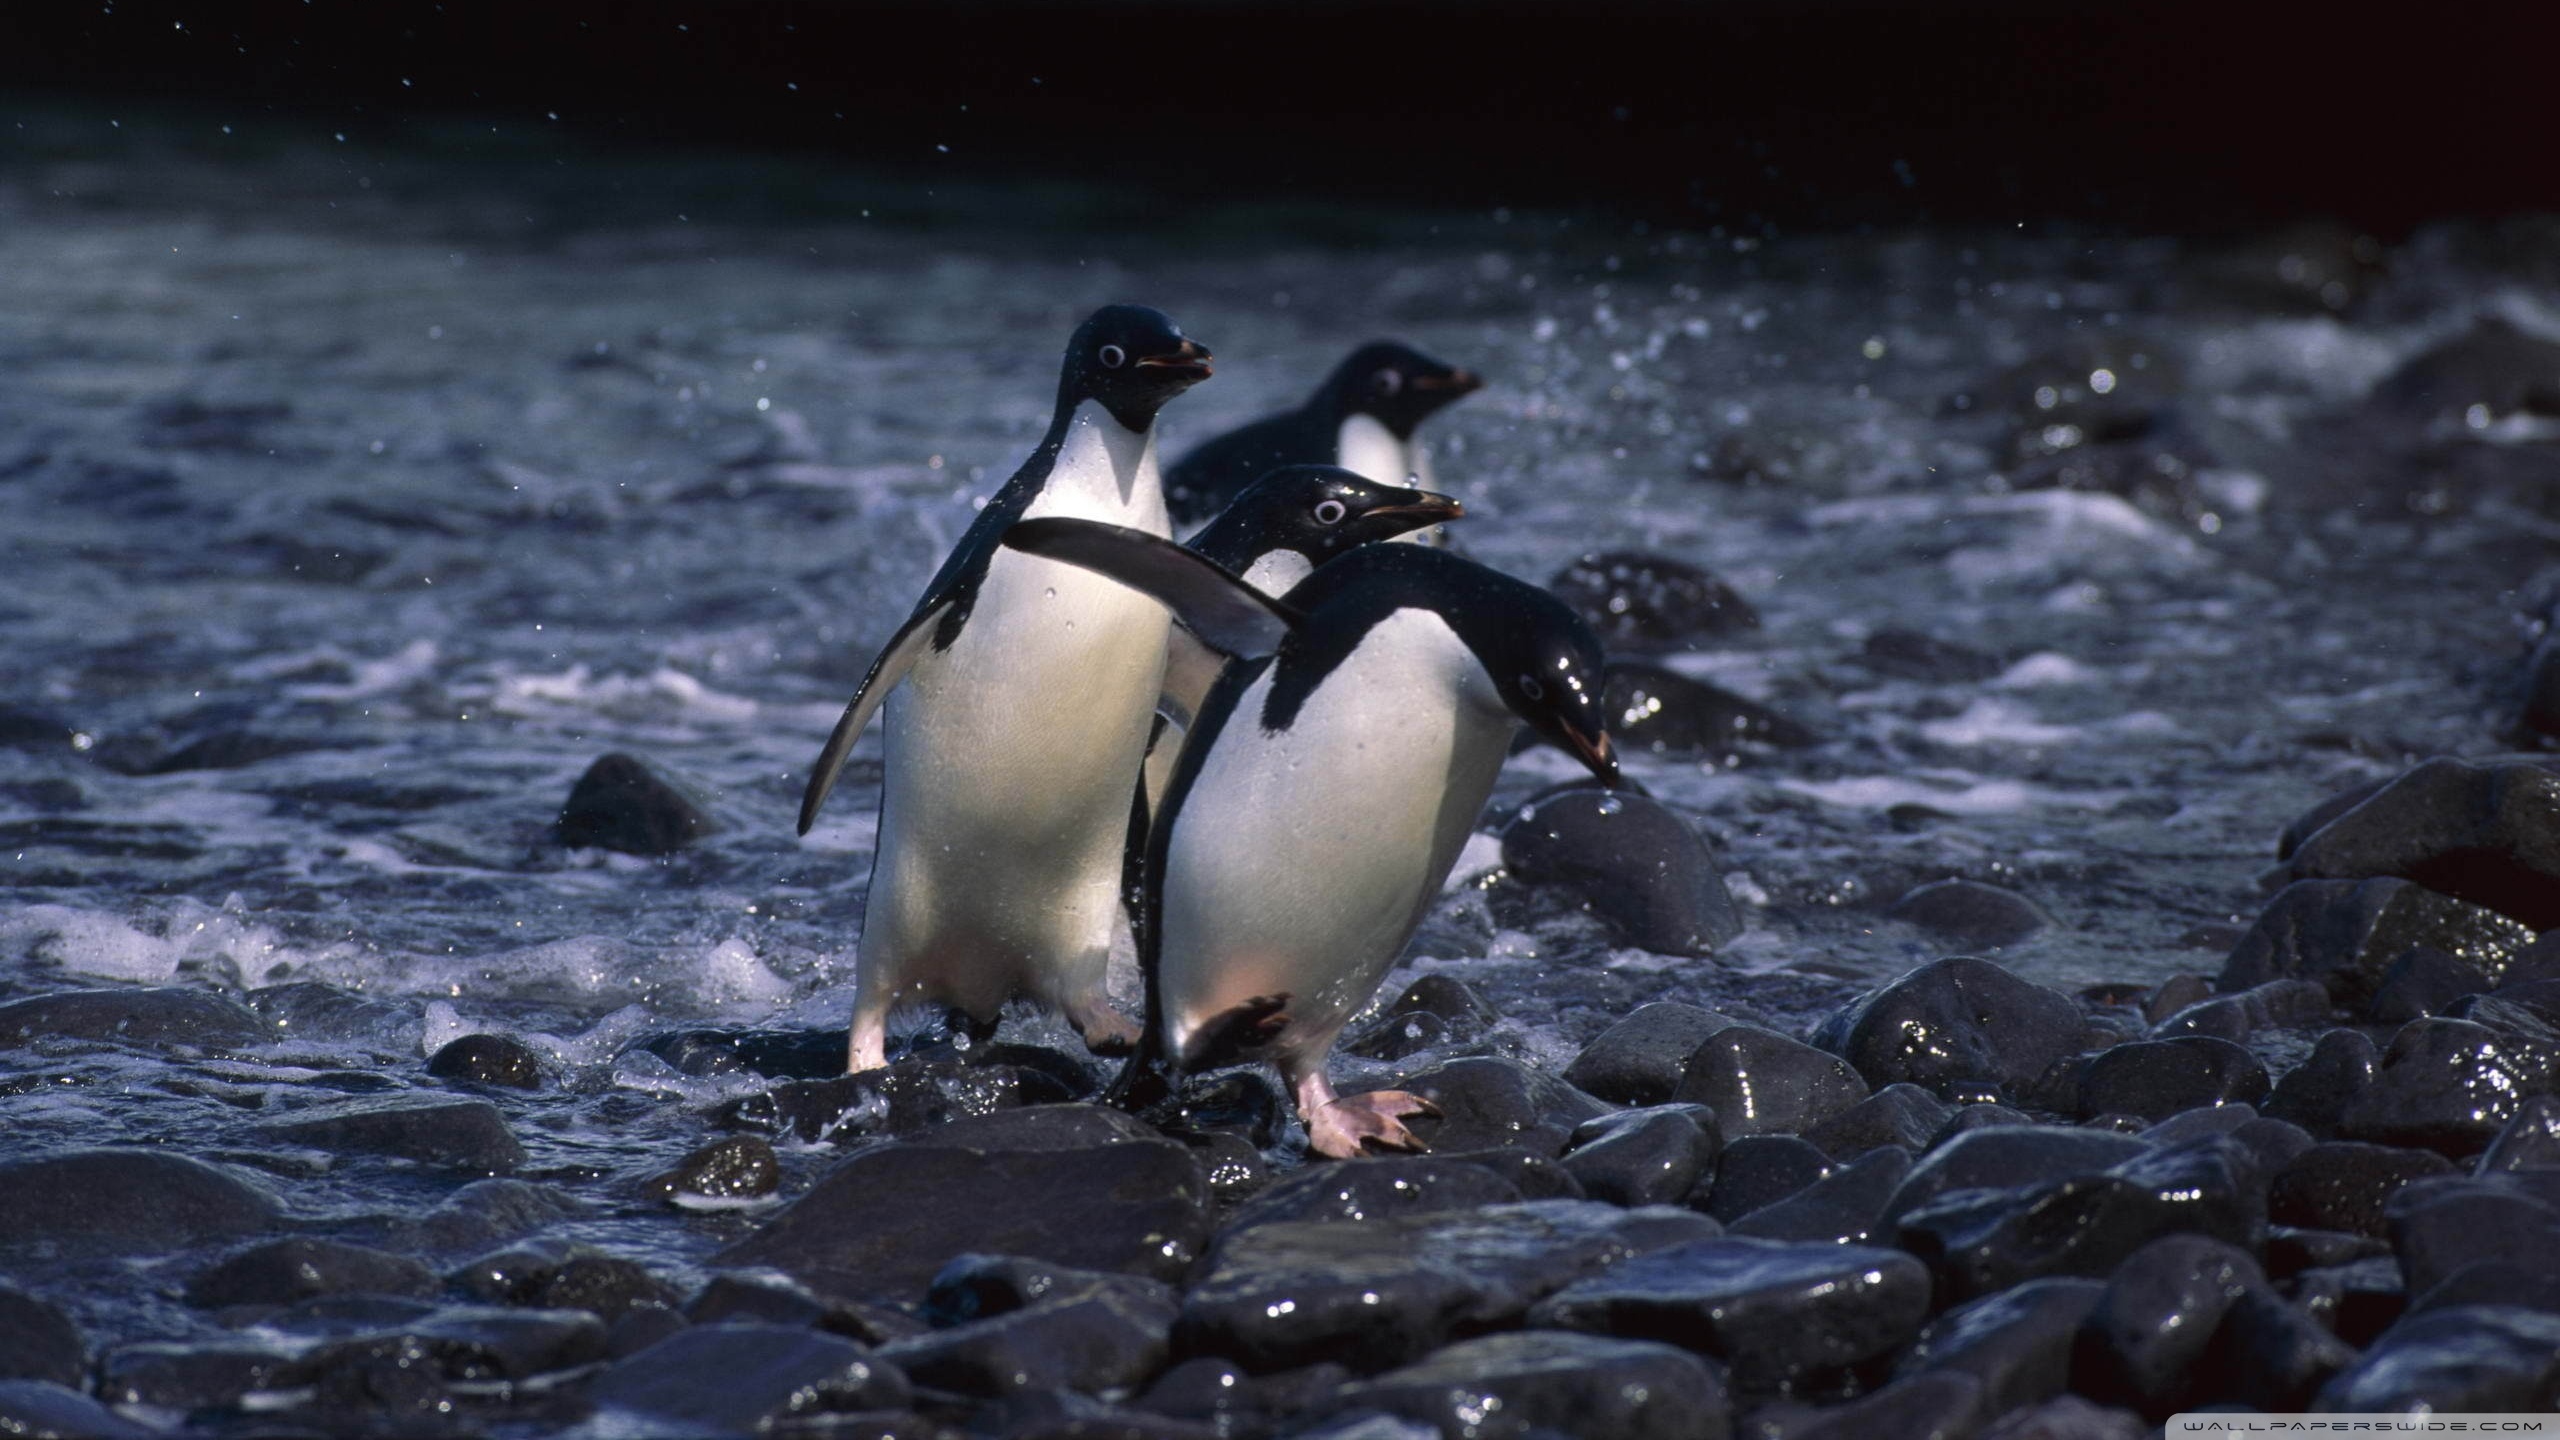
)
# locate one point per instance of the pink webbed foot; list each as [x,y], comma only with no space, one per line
[1106,1031]
[1343,1129]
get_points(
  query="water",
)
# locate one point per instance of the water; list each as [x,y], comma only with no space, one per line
[421,481]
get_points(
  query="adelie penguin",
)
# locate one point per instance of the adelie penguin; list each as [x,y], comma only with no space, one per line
[1336,769]
[1019,697]
[1362,418]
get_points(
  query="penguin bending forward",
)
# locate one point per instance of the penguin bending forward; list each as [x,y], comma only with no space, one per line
[1362,418]
[1337,767]
[1012,745]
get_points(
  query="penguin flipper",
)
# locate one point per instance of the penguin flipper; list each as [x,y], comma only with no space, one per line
[895,660]
[1226,614]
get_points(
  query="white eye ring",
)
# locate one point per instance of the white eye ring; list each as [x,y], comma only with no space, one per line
[1112,357]
[1530,687]
[1330,512]
[1386,382]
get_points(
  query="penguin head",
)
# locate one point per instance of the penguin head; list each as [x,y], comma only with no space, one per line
[1321,511]
[1396,385]
[1549,669]
[1131,360]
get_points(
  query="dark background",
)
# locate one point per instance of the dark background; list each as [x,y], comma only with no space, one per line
[1746,113]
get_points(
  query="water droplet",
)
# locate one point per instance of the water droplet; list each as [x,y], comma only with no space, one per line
[1052,592]
[1610,805]
[2102,381]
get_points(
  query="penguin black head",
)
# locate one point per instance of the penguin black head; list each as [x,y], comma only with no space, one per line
[1549,668]
[1319,511]
[1130,360]
[1396,385]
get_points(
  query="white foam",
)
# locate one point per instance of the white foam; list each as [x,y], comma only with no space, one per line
[1987,797]
[85,942]
[2043,668]
[662,694]
[1991,721]
[1482,853]
[732,976]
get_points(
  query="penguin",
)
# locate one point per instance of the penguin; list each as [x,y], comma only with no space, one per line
[1362,418]
[1337,767]
[1018,699]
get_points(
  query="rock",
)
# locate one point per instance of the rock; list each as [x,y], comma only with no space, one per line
[1543,1383]
[1954,1023]
[1942,1405]
[1091,1342]
[185,1377]
[2423,982]
[1662,712]
[915,1098]
[2158,1078]
[488,1060]
[2009,1157]
[1631,861]
[2276,1005]
[1375,1188]
[2291,1251]
[979,1287]
[2437,1227]
[2463,1358]
[1639,1060]
[622,804]
[1644,1157]
[40,1408]
[1977,1242]
[457,1134]
[2270,1354]
[220,750]
[2487,834]
[468,1343]
[157,1018]
[1910,655]
[1781,1316]
[2531,1282]
[2342,1185]
[2541,711]
[2016,1343]
[1760,1170]
[2530,1141]
[1434,1011]
[2494,365]
[484,1213]
[282,1272]
[1487,1103]
[309,1010]
[2446,1085]
[1637,602]
[38,1341]
[884,1221]
[2346,933]
[1384,1292]
[2355,1301]
[743,1378]
[2175,994]
[1970,913]
[130,1202]
[554,1276]
[1900,1114]
[2142,1343]
[2275,1143]
[741,1167]
[1760,1082]
[1842,1208]
[2309,822]
[2316,1092]
[771,1297]
[1232,1402]
[1979,1115]
[2068,1417]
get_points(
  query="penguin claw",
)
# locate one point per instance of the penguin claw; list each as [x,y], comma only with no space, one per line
[1343,1129]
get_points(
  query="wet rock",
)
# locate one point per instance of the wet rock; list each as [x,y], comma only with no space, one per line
[740,1167]
[770,1297]
[1662,712]
[2316,1092]
[227,750]
[2158,1078]
[488,1060]
[1639,1060]
[24,729]
[2493,365]
[153,1017]
[1375,1188]
[1545,1383]
[1781,1316]
[909,1097]
[1433,1011]
[2487,834]
[622,804]
[40,1408]
[564,1277]
[2275,1143]
[2462,1358]
[1232,1402]
[132,1202]
[2541,713]
[2068,1417]
[484,1213]
[1487,1103]
[1760,1082]
[2342,1185]
[38,1341]
[2175,994]
[1249,1104]
[1980,1115]
[2530,1281]
[1977,1242]
[1629,860]
[1756,1171]
[1643,1157]
[1900,1114]
[188,1377]
[1943,1405]
[2290,1251]
[2437,1227]
[309,1010]
[2276,1005]
[746,1378]
[884,1221]
[2140,1345]
[1842,1208]
[1910,655]
[2007,1157]
[459,1343]
[2530,1141]
[457,1134]
[2270,1354]
[2355,1301]
[282,1272]
[1092,1342]
[2016,1343]
[2346,933]
[1637,602]
[2447,1085]
[1383,1292]
[1952,1024]
[2308,823]
[2423,982]
[979,1287]
[1970,913]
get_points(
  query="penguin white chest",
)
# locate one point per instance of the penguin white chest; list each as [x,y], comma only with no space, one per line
[1366,447]
[1278,572]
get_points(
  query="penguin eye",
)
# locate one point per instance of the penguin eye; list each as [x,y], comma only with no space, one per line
[1386,383]
[1112,357]
[1530,687]
[1330,512]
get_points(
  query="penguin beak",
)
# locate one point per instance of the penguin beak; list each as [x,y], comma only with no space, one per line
[1453,384]
[1189,364]
[1595,752]
[1426,508]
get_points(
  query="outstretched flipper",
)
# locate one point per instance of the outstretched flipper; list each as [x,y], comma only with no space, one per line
[895,660]
[1226,614]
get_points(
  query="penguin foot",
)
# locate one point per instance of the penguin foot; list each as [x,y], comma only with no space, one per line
[1340,1129]
[1106,1031]
[1238,1030]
